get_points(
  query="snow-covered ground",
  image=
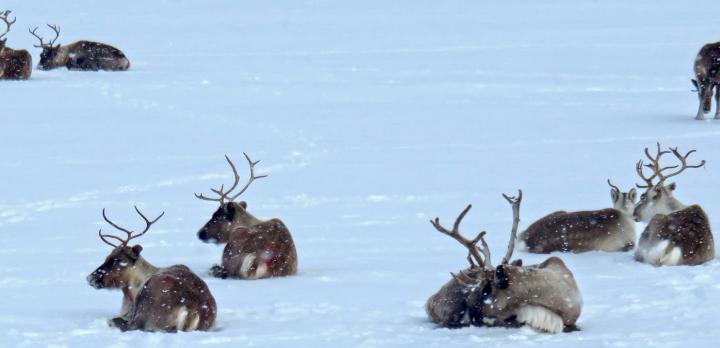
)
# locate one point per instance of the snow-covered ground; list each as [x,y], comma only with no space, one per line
[371,117]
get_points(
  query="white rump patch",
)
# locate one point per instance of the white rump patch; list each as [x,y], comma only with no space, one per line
[180,318]
[658,254]
[672,258]
[246,264]
[540,318]
[194,323]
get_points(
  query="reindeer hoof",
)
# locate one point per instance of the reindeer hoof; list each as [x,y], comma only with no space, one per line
[700,117]
[119,323]
[218,272]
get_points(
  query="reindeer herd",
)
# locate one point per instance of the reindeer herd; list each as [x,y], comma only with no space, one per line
[80,55]
[544,296]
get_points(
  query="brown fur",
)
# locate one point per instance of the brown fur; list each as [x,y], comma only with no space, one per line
[580,231]
[15,64]
[83,55]
[687,229]
[544,297]
[155,299]
[255,249]
[481,297]
[707,78]
[549,284]
[609,229]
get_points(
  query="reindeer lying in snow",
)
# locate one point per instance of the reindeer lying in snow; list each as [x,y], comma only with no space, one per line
[154,299]
[14,64]
[611,229]
[79,55]
[676,234]
[544,296]
[255,249]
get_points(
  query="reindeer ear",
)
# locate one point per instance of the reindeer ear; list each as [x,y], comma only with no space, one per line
[632,194]
[695,83]
[671,187]
[243,204]
[137,248]
[517,263]
[614,195]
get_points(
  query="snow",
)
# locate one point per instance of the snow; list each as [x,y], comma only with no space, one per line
[371,117]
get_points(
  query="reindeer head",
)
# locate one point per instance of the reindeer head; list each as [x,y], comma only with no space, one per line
[230,215]
[114,272]
[49,50]
[623,201]
[8,23]
[658,198]
[481,279]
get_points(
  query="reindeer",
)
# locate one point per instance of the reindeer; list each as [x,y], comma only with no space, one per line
[676,234]
[154,299]
[255,249]
[14,64]
[543,296]
[611,229]
[707,77]
[79,55]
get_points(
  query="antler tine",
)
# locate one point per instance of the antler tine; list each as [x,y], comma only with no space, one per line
[42,44]
[485,249]
[221,191]
[683,164]
[128,232]
[252,177]
[148,223]
[471,245]
[103,236]
[56,29]
[639,169]
[515,202]
[615,188]
[4,16]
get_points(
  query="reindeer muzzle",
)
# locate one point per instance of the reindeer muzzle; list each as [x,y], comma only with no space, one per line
[95,281]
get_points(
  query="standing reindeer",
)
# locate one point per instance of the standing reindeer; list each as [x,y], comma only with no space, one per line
[154,299]
[544,296]
[14,64]
[707,77]
[611,229]
[676,234]
[79,55]
[255,249]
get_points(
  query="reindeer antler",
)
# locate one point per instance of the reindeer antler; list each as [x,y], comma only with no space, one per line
[130,234]
[654,165]
[614,188]
[55,28]
[474,257]
[515,202]
[4,17]
[224,194]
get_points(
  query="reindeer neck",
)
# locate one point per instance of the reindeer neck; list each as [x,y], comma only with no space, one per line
[248,220]
[673,204]
[139,273]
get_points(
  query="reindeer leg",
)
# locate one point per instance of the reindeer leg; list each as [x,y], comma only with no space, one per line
[701,109]
[122,324]
[218,271]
